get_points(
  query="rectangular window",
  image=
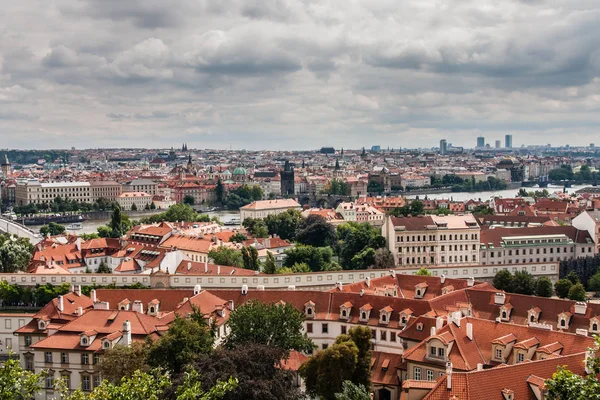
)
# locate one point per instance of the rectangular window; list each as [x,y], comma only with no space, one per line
[417,373]
[521,357]
[86,383]
[441,352]
[393,337]
[324,346]
[324,328]
[48,357]
[50,380]
[433,351]
[96,359]
[383,335]
[429,375]
[27,341]
[29,362]
[97,380]
[7,323]
[64,358]
[499,354]
[309,328]
[85,359]
[344,329]
[67,379]
[373,334]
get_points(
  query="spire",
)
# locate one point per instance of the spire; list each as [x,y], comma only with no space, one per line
[337,164]
[190,159]
[6,160]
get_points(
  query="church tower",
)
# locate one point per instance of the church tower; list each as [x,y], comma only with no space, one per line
[287,180]
[6,171]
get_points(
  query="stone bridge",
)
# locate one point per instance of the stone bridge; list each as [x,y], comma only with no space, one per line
[323,200]
[16,228]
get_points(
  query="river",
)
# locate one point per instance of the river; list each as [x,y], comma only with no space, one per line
[483,196]
[90,226]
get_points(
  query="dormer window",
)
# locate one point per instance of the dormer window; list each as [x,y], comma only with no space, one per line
[309,309]
[41,325]
[365,312]
[84,341]
[533,315]
[385,314]
[420,327]
[563,320]
[153,307]
[420,290]
[383,318]
[106,344]
[505,311]
[345,313]
[363,315]
[594,325]
[498,353]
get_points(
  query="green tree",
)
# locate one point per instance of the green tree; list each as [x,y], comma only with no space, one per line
[133,207]
[226,256]
[103,268]
[220,191]
[483,209]
[594,282]
[250,258]
[191,389]
[503,280]
[424,272]
[315,231]
[562,287]
[277,325]
[573,277]
[15,253]
[384,259]
[317,258]
[523,283]
[189,200]
[354,239]
[180,212]
[17,383]
[270,267]
[543,287]
[238,238]
[123,361]
[284,225]
[577,292]
[361,336]
[565,385]
[52,229]
[118,226]
[350,391]
[183,342]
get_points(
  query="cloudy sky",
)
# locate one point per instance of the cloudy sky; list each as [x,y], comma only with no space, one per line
[297,74]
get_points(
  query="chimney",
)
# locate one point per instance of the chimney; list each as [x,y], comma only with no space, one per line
[368,281]
[78,244]
[499,298]
[449,375]
[127,333]
[72,288]
[78,290]
[479,367]
[206,266]
[442,278]
[61,304]
[439,323]
[189,266]
[93,295]
[101,305]
[470,331]
[197,289]
[231,305]
[470,281]
[339,285]
[582,332]
[79,311]
[580,308]
[362,292]
[138,306]
[218,270]
[432,331]
[393,273]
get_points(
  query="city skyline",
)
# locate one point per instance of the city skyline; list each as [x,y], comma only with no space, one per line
[287,74]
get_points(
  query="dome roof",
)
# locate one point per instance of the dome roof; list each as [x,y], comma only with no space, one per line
[239,171]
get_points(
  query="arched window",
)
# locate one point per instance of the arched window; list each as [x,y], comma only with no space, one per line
[152,309]
[84,341]
[344,313]
[503,314]
[563,323]
[122,307]
[403,319]
[384,318]
[531,318]
[364,315]
[595,327]
[309,311]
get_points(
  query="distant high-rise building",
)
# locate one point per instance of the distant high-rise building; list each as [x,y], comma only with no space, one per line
[480,142]
[376,148]
[592,145]
[498,144]
[327,150]
[508,141]
[443,147]
[287,180]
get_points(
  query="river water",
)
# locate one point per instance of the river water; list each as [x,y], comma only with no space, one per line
[484,196]
[90,226]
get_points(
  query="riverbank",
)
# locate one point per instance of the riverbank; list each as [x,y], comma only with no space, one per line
[484,196]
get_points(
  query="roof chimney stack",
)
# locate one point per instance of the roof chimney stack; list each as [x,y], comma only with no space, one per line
[479,367]
[499,298]
[218,270]
[449,375]
[231,305]
[197,289]
[138,306]
[205,267]
[432,331]
[61,304]
[244,289]
[79,311]
[368,281]
[580,308]
[93,295]
[78,290]
[439,323]
[470,281]
[393,273]
[442,278]
[189,266]
[470,331]
[127,333]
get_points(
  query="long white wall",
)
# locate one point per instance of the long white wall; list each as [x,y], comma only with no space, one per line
[315,280]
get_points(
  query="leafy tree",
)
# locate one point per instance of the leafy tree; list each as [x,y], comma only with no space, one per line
[375,187]
[383,259]
[191,389]
[577,292]
[226,256]
[543,287]
[299,268]
[361,336]
[52,229]
[315,231]
[89,236]
[180,212]
[15,253]
[483,209]
[562,288]
[118,225]
[104,231]
[238,238]
[363,260]
[523,283]
[423,272]
[219,191]
[350,391]
[103,268]
[503,280]
[355,238]
[594,282]
[189,200]
[565,385]
[133,207]
[284,225]
[270,267]
[123,361]
[256,227]
[573,277]
[317,258]
[250,258]
[273,325]
[255,368]
[17,383]
[183,342]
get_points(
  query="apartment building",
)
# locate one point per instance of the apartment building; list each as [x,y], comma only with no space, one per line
[360,213]
[141,185]
[534,245]
[32,191]
[9,322]
[264,208]
[105,189]
[433,240]
[141,200]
